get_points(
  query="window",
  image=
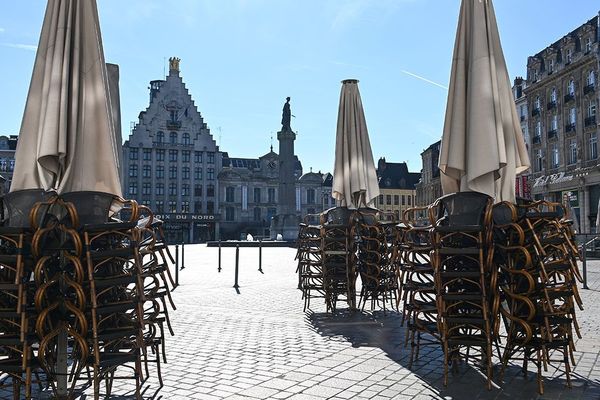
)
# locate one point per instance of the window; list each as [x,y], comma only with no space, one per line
[257,214]
[197,190]
[571,87]
[539,160]
[147,171]
[186,139]
[146,188]
[257,195]
[185,173]
[396,200]
[591,111]
[380,199]
[271,195]
[538,128]
[572,115]
[537,103]
[173,172]
[403,200]
[173,155]
[593,146]
[211,157]
[133,188]
[11,164]
[569,55]
[572,151]
[147,154]
[229,194]
[210,207]
[198,173]
[160,206]
[185,206]
[172,206]
[133,170]
[210,174]
[271,211]
[133,154]
[185,156]
[173,189]
[409,199]
[523,112]
[173,137]
[553,95]
[551,66]
[310,196]
[160,189]
[197,156]
[554,123]
[555,156]
[210,190]
[160,137]
[185,189]
[160,154]
[588,44]
[591,78]
[160,171]
[388,199]
[197,206]
[229,213]
[173,114]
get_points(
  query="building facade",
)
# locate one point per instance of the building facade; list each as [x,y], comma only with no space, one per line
[250,194]
[562,100]
[397,190]
[429,188]
[171,162]
[8,146]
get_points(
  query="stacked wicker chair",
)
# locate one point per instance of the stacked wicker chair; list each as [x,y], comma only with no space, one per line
[310,267]
[376,260]
[338,257]
[418,283]
[539,271]
[464,278]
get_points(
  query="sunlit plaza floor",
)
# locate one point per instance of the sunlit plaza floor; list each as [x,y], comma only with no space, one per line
[259,344]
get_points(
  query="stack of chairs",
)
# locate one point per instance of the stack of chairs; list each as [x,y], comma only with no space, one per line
[310,267]
[338,251]
[417,278]
[537,258]
[18,362]
[466,282]
[376,260]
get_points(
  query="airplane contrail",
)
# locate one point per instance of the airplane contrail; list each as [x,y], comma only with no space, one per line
[424,79]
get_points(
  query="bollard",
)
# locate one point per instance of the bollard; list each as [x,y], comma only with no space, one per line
[237,265]
[219,269]
[176,265]
[260,257]
[182,256]
[584,256]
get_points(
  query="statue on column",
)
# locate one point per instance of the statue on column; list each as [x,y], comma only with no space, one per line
[286,116]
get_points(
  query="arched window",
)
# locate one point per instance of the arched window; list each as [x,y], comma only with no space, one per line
[173,137]
[160,136]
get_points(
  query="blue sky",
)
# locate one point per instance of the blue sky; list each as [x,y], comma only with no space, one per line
[241,58]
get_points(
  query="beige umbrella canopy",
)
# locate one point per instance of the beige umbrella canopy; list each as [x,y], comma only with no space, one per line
[482,145]
[354,175]
[67,138]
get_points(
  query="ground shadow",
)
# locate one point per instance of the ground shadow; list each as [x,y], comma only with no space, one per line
[386,332]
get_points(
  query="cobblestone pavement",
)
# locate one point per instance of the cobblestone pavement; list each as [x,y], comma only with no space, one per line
[258,344]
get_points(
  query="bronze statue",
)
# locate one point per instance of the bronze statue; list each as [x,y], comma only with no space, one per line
[286,116]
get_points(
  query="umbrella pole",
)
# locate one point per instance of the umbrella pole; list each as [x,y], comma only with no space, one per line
[61,367]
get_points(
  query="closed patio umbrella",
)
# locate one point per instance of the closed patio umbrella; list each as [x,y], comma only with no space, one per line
[482,144]
[67,139]
[354,175]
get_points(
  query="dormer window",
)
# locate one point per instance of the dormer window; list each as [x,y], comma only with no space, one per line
[569,56]
[550,66]
[588,45]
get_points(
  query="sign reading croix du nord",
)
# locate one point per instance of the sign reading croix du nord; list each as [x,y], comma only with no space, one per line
[186,217]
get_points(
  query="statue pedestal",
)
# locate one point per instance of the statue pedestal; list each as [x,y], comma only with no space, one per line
[286,225]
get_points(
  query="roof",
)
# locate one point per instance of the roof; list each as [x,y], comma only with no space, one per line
[396,176]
